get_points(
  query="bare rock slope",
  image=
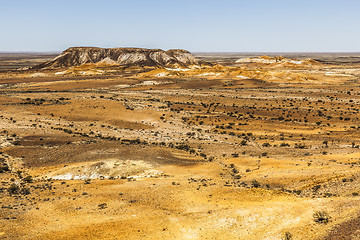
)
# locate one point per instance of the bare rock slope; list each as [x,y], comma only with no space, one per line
[76,56]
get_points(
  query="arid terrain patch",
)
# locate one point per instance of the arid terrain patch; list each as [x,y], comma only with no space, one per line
[214,147]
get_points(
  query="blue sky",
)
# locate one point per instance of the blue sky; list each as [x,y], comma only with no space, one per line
[197,25]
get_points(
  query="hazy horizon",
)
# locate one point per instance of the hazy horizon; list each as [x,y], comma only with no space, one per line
[194,52]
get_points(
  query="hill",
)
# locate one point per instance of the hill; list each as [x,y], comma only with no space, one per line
[76,56]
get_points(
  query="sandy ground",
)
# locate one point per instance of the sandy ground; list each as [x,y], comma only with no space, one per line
[196,154]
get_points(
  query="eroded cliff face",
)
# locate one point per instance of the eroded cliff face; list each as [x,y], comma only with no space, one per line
[76,56]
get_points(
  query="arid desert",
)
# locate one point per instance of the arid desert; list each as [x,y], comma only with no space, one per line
[132,143]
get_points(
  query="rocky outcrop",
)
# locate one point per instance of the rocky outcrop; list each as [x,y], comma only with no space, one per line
[76,56]
[277,60]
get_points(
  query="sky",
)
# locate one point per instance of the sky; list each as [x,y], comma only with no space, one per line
[195,25]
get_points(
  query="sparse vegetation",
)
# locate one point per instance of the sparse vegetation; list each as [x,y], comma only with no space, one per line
[193,141]
[255,183]
[288,236]
[28,179]
[13,189]
[321,217]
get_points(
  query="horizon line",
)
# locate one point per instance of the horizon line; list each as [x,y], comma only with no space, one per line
[199,52]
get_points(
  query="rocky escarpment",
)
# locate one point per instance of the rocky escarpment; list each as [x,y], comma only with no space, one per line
[76,56]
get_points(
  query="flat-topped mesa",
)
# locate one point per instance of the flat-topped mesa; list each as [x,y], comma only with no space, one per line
[76,56]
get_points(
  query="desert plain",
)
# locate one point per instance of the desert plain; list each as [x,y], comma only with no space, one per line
[242,146]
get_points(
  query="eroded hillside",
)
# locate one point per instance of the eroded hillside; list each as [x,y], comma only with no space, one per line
[76,56]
